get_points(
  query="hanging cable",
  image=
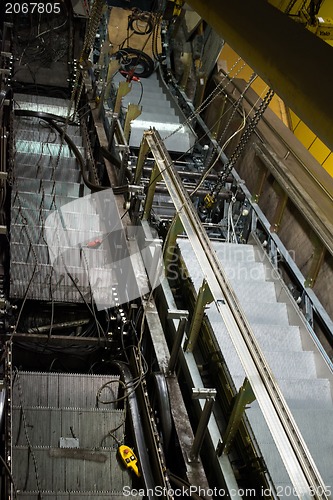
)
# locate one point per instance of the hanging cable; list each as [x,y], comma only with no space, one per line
[211,196]
[51,120]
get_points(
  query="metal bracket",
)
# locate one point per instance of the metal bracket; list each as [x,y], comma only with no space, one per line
[133,111]
[316,261]
[123,89]
[209,395]
[155,176]
[144,148]
[177,345]
[281,205]
[204,297]
[261,178]
[175,229]
[243,398]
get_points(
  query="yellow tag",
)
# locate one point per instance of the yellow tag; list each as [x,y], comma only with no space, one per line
[209,200]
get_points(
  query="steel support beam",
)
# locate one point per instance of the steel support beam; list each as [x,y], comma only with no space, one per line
[294,453]
[204,297]
[282,52]
[209,396]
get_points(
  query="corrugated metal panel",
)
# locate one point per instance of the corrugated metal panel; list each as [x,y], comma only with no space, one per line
[62,390]
[51,406]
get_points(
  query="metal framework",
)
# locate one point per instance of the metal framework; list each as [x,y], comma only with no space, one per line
[294,452]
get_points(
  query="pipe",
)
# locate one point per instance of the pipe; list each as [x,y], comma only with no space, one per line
[202,192]
[141,447]
[291,60]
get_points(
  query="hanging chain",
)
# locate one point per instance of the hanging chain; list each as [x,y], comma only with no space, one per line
[94,21]
[210,198]
[209,99]
[236,105]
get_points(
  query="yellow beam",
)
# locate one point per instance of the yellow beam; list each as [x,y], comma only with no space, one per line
[291,60]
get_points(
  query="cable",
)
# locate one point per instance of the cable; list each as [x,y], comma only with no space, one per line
[9,475]
[209,99]
[52,29]
[73,147]
[23,303]
[141,94]
[219,154]
[26,433]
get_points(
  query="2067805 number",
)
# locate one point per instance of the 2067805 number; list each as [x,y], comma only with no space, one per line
[31,7]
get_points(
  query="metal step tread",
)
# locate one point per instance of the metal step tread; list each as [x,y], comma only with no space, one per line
[39,99]
[45,148]
[176,137]
[36,201]
[270,337]
[54,109]
[76,221]
[156,117]
[44,160]
[44,136]
[234,252]
[266,313]
[148,105]
[262,292]
[28,185]
[318,439]
[26,122]
[72,257]
[21,233]
[298,365]
[60,174]
[301,394]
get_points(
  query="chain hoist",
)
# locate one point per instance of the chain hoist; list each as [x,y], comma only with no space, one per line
[211,197]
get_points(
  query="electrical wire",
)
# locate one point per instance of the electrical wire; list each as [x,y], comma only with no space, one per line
[209,99]
[52,29]
[25,427]
[222,148]
[44,116]
[9,475]
[219,155]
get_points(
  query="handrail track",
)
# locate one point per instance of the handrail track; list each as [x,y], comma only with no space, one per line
[295,455]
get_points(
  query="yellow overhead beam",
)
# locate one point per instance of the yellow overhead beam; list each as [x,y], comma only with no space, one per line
[291,60]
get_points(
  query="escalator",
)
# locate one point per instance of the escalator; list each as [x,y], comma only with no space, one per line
[298,365]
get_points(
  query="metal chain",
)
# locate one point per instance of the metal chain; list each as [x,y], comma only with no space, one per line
[209,99]
[210,198]
[11,151]
[237,104]
[94,21]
